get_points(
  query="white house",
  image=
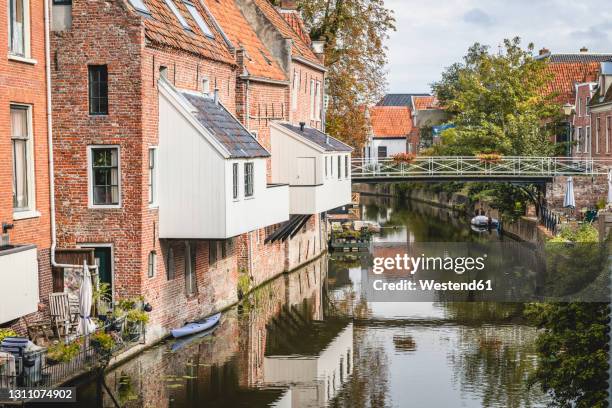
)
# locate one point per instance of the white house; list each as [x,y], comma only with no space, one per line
[390,127]
[212,171]
[316,166]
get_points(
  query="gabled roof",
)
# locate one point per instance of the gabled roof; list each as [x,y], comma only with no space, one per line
[224,127]
[390,121]
[299,47]
[258,60]
[323,141]
[399,99]
[425,102]
[567,75]
[163,28]
[295,21]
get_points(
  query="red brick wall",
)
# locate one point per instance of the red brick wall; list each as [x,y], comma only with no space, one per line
[602,133]
[25,83]
[303,111]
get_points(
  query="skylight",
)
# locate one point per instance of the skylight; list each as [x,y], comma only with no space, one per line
[199,20]
[177,13]
[140,6]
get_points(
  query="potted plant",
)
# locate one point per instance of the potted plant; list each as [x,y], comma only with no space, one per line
[63,352]
[403,158]
[492,157]
[102,342]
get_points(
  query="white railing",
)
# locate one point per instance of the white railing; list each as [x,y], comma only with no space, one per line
[466,167]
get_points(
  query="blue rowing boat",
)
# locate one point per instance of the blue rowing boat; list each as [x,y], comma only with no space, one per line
[196,327]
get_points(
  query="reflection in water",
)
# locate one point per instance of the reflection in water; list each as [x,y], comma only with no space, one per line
[312,339]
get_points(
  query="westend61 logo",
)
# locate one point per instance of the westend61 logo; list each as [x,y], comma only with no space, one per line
[413,264]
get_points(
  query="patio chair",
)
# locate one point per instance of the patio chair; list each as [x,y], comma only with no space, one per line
[64,314]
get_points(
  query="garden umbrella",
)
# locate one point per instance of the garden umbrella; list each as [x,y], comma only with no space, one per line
[569,201]
[610,187]
[86,325]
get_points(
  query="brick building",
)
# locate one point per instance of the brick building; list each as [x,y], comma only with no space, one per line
[25,214]
[600,109]
[581,122]
[162,113]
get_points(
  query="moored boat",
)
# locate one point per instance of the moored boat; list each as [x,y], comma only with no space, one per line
[484,221]
[196,327]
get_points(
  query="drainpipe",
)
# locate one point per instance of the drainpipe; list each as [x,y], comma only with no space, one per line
[50,142]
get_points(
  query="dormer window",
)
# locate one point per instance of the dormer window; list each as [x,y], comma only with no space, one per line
[198,19]
[177,14]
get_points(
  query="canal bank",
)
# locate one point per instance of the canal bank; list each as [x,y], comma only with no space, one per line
[312,338]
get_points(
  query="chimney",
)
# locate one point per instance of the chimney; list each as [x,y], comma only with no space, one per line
[318,47]
[216,96]
[544,51]
[288,5]
[584,50]
[302,124]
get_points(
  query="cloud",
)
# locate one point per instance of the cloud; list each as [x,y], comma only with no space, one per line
[478,17]
[598,32]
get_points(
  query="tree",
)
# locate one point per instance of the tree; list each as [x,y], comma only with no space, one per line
[354,32]
[497,103]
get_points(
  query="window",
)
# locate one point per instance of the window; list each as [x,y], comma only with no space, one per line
[312,99]
[339,168]
[23,162]
[206,86]
[587,140]
[98,90]
[235,180]
[140,6]
[296,89]
[177,14]
[248,179]
[19,30]
[382,152]
[326,160]
[346,168]
[170,265]
[152,175]
[163,72]
[198,19]
[608,132]
[212,252]
[597,133]
[191,285]
[104,177]
[578,138]
[579,110]
[152,263]
[317,111]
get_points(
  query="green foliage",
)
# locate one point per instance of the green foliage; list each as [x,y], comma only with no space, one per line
[585,233]
[572,351]
[601,204]
[103,292]
[137,316]
[244,283]
[509,199]
[496,103]
[103,341]
[7,333]
[62,352]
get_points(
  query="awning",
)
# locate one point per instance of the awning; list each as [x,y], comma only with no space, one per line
[289,228]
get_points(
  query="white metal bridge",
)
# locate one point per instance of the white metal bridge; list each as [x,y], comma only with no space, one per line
[467,168]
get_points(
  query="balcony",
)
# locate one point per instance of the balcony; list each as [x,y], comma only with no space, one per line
[19,273]
[315,165]
[212,171]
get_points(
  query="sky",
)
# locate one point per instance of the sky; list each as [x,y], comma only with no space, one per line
[432,35]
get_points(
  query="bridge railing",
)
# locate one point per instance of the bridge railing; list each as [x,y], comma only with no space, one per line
[457,166]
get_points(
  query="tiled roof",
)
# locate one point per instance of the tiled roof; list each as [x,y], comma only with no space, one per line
[163,28]
[581,57]
[425,102]
[295,21]
[399,99]
[566,75]
[299,47]
[390,121]
[224,127]
[327,142]
[258,61]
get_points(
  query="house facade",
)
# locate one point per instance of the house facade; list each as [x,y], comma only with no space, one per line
[600,108]
[582,132]
[25,210]
[389,134]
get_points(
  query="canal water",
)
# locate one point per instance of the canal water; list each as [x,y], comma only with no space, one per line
[312,339]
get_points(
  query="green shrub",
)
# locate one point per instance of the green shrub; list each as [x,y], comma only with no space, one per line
[62,352]
[7,333]
[103,340]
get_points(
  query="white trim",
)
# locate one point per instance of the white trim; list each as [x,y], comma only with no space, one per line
[25,60]
[24,215]
[90,203]
[153,201]
[27,42]
[89,245]
[31,170]
[597,127]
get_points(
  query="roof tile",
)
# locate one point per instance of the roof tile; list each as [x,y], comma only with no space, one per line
[391,121]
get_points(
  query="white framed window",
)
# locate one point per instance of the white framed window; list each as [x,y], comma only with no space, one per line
[339,167]
[249,189]
[19,28]
[235,189]
[24,200]
[295,90]
[104,164]
[608,132]
[152,264]
[587,140]
[579,110]
[326,165]
[597,133]
[312,99]
[152,176]
[317,111]
[206,86]
[578,138]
